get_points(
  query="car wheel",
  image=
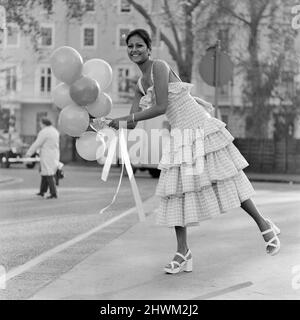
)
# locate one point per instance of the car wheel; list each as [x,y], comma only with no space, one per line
[30,165]
[155,173]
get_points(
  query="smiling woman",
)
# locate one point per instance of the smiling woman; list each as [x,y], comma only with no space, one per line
[201,169]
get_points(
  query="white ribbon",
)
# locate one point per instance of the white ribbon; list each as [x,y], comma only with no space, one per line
[125,161]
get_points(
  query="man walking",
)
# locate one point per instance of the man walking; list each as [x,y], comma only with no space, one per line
[47,142]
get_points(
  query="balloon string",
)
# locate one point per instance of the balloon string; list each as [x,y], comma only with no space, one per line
[117,191]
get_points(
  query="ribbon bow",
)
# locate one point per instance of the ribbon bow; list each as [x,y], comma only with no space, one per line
[125,161]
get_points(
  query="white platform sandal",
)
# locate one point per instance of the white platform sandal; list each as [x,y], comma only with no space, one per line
[276,231]
[186,265]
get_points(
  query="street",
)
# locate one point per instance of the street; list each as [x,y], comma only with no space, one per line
[31,226]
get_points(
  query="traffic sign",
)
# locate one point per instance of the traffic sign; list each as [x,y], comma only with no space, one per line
[208,65]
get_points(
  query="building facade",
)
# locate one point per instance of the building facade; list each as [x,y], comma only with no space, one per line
[26,80]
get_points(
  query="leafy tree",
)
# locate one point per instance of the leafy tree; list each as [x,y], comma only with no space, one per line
[268,49]
[22,12]
[178,19]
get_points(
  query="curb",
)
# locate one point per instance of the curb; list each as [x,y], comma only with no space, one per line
[274,180]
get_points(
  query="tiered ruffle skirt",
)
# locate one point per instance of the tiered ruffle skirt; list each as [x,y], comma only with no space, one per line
[201,176]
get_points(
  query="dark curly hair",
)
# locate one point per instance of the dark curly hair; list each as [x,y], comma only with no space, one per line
[141,33]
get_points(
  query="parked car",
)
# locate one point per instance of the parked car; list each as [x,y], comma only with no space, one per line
[13,149]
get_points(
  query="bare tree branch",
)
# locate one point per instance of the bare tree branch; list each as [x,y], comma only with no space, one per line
[225,7]
[153,27]
[194,5]
[173,27]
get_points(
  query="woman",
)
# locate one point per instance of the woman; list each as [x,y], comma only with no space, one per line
[47,142]
[217,182]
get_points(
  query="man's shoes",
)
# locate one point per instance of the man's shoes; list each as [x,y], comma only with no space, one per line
[52,197]
[40,194]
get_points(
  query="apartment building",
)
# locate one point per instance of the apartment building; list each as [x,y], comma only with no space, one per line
[26,80]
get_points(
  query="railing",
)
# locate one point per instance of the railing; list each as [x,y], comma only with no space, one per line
[268,155]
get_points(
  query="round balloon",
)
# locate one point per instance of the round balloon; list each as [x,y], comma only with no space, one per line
[84,91]
[73,120]
[61,96]
[90,146]
[101,107]
[66,64]
[99,70]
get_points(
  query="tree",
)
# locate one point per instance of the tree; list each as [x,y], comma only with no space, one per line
[178,19]
[264,55]
[22,12]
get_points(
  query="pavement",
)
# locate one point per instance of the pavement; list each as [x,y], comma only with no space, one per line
[255,177]
[229,260]
[228,255]
[4,179]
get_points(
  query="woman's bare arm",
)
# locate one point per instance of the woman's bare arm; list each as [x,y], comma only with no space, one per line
[135,107]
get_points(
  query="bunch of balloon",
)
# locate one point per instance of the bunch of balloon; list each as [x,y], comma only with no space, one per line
[80,96]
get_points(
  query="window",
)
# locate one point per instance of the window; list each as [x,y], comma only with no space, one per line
[47,5]
[12,36]
[4,119]
[90,5]
[89,36]
[122,34]
[11,79]
[125,6]
[8,80]
[288,84]
[46,36]
[45,81]
[125,83]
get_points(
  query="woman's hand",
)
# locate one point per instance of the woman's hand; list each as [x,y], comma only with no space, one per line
[114,123]
[118,123]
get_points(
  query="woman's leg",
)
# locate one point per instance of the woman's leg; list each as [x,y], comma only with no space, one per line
[182,247]
[181,235]
[262,224]
[252,210]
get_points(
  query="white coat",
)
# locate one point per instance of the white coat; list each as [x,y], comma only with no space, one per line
[47,142]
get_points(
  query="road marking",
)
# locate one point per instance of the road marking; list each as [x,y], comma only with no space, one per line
[37,260]
[224,291]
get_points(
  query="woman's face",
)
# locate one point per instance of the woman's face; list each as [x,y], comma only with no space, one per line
[137,49]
